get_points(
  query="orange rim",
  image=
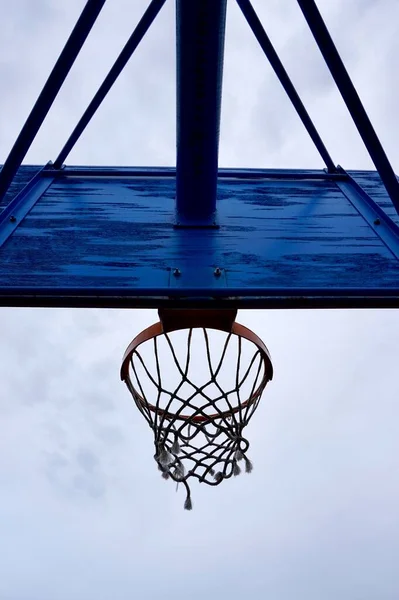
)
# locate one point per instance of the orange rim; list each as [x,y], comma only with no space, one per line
[157,329]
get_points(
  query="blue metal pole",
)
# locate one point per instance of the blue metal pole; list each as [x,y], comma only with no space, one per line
[200,33]
[49,92]
[120,63]
[351,98]
[267,47]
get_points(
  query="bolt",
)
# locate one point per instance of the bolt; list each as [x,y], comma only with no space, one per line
[377,222]
[12,219]
[217,272]
[176,272]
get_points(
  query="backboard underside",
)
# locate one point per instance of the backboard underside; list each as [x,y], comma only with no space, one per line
[108,237]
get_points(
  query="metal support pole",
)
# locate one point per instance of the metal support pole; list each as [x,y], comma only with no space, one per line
[118,66]
[200,32]
[351,98]
[275,62]
[49,92]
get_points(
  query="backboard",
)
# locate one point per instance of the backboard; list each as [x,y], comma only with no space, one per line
[197,235]
[108,237]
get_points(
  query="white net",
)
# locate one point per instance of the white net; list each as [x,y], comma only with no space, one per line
[198,407]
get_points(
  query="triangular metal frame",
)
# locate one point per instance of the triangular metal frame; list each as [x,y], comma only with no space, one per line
[317,27]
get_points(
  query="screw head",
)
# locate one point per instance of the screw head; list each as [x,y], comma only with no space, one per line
[176,272]
[217,272]
[13,219]
[377,222]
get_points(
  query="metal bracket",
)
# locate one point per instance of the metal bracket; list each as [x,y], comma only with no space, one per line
[381,223]
[183,222]
[209,278]
[18,208]
[173,319]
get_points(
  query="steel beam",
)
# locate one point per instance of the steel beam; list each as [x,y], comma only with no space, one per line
[351,98]
[120,63]
[292,298]
[278,67]
[200,34]
[49,92]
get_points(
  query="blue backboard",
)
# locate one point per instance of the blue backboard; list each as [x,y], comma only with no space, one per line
[110,237]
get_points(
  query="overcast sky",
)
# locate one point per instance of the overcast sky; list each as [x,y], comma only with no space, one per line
[84,513]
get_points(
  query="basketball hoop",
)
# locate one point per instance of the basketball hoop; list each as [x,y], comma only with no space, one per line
[198,427]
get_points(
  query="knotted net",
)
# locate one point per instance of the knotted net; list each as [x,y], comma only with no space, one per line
[198,388]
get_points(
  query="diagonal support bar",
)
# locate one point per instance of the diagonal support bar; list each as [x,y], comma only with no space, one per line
[267,47]
[49,92]
[120,63]
[200,33]
[351,98]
